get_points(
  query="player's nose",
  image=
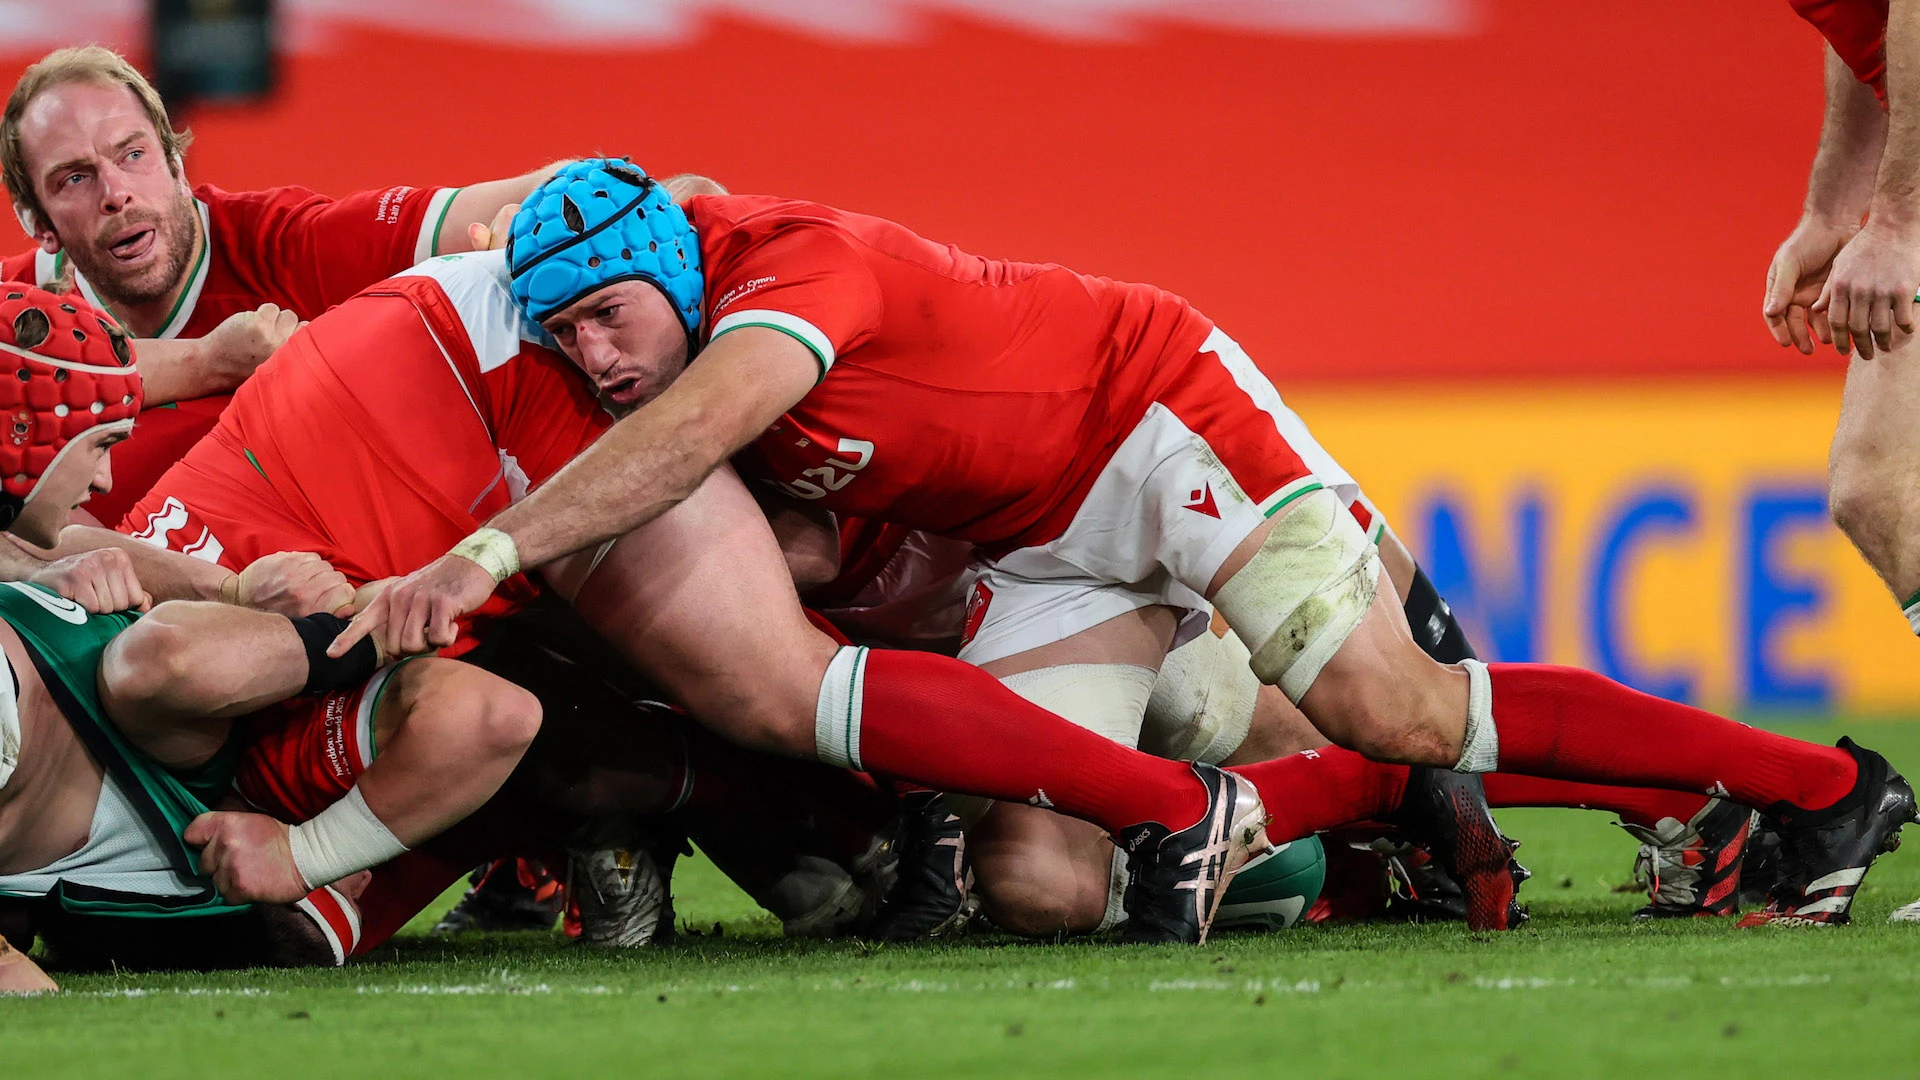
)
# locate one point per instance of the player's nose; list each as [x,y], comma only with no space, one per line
[103,474]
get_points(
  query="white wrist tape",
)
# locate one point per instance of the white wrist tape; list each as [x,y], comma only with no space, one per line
[494,550]
[343,839]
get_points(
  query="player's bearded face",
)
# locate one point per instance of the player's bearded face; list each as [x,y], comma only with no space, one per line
[627,339]
[141,255]
[110,196]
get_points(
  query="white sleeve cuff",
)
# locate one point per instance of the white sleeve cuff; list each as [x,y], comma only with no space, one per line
[427,244]
[792,325]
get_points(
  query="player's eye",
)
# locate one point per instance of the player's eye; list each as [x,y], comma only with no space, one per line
[608,312]
[72,178]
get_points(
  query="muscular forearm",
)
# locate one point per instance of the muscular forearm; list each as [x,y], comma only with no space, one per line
[1841,185]
[655,457]
[637,471]
[170,371]
[17,563]
[166,575]
[1896,194]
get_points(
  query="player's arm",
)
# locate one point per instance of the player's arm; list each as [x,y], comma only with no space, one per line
[291,583]
[651,460]
[181,369]
[642,467]
[1871,291]
[477,204]
[1839,190]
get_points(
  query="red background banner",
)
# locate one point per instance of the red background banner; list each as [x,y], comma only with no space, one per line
[1546,190]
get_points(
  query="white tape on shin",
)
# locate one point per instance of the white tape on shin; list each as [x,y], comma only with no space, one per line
[1480,750]
[1106,699]
[1202,704]
[1303,592]
[343,839]
[836,715]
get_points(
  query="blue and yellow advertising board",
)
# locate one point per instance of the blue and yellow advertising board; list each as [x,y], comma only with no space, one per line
[1671,535]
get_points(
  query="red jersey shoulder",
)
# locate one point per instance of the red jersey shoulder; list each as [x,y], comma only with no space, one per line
[1857,30]
[791,266]
[293,246]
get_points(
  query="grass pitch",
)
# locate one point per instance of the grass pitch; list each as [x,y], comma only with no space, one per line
[1582,991]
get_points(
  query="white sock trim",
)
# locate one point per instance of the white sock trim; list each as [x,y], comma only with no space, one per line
[343,839]
[836,715]
[1116,912]
[1480,750]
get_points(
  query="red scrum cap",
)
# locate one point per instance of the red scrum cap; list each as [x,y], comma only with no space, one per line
[64,370]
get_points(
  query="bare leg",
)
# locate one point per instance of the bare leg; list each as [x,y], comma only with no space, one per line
[1873,473]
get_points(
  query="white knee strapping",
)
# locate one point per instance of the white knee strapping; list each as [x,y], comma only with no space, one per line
[1202,704]
[1303,592]
[1116,912]
[836,715]
[1106,699]
[1480,750]
[1912,609]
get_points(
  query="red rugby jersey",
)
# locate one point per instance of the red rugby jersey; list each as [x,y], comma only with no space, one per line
[286,246]
[973,398]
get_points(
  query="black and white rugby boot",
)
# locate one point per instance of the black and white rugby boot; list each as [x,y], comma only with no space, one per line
[1176,879]
[1446,812]
[1825,854]
[1760,870]
[1692,868]
[932,894]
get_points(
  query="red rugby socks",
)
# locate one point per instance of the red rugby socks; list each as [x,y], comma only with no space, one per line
[950,726]
[1636,806]
[1575,725]
[1316,790]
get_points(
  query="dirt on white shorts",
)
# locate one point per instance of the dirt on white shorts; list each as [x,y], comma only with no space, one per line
[1217,455]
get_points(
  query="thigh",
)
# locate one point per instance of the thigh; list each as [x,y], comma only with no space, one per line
[1877,426]
[700,601]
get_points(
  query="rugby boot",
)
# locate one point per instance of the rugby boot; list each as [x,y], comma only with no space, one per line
[932,896]
[1760,870]
[1692,868]
[1909,913]
[1446,813]
[621,895]
[1176,879]
[506,895]
[1825,854]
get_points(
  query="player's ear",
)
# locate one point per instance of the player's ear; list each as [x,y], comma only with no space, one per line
[37,226]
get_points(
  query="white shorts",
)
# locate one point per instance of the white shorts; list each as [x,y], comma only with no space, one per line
[1212,459]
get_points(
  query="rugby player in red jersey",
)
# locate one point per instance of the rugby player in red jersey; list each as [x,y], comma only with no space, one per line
[211,281]
[393,425]
[1121,463]
[1848,272]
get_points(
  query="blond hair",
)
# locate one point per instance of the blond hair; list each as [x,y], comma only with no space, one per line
[83,63]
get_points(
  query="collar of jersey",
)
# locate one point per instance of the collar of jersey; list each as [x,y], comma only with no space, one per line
[182,312]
